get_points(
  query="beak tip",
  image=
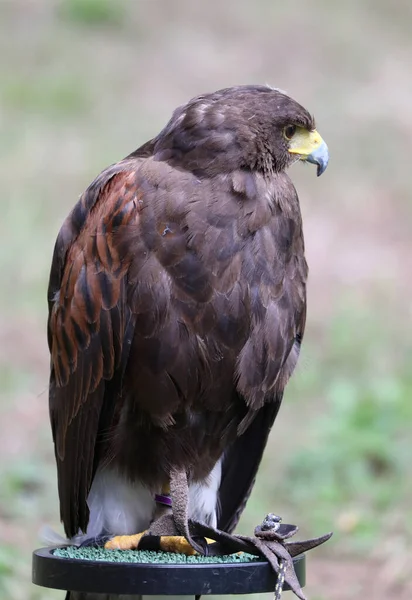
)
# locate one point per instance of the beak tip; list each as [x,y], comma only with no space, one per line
[320,157]
[321,168]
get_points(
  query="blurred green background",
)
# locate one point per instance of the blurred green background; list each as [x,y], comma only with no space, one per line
[83,83]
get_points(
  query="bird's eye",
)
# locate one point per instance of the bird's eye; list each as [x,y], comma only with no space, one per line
[289,131]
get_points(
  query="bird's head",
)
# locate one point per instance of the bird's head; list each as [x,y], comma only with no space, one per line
[255,127]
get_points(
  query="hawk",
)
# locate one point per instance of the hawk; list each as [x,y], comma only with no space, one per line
[177,304]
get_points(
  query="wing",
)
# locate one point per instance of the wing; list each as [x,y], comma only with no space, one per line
[241,461]
[89,326]
[240,466]
[270,353]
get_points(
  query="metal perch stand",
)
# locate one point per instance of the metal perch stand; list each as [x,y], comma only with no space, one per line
[157,579]
[268,561]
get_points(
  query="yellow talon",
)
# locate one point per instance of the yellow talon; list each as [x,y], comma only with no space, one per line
[177,544]
[168,543]
[124,542]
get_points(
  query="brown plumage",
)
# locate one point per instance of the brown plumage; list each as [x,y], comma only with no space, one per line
[177,303]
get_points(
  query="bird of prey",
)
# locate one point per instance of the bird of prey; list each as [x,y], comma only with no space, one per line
[177,303]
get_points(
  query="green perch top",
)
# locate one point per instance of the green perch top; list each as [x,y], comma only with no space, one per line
[148,556]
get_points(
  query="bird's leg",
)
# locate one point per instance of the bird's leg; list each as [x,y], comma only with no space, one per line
[179,493]
[167,543]
[170,543]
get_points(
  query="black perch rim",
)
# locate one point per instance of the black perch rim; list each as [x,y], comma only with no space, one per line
[156,579]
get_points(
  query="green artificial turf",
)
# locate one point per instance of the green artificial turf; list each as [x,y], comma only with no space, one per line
[147,556]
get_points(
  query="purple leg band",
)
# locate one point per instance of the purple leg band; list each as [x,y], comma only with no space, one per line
[163,499]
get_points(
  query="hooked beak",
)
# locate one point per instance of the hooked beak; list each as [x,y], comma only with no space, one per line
[311,148]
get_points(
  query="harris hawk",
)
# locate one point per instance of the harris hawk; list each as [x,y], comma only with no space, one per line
[177,303]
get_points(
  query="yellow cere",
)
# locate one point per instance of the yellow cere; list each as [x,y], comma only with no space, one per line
[304,142]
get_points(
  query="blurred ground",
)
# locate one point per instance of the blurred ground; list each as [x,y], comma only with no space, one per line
[84,82]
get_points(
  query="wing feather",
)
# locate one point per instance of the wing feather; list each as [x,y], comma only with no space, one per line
[88,320]
[241,461]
